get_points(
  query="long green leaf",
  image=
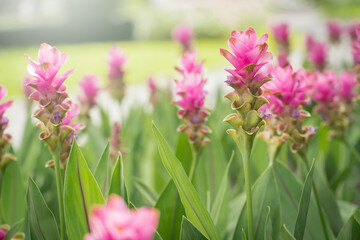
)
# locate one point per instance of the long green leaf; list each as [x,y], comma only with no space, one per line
[81,192]
[12,198]
[194,208]
[189,231]
[41,219]
[102,170]
[285,233]
[118,185]
[351,229]
[268,226]
[304,205]
[145,191]
[14,229]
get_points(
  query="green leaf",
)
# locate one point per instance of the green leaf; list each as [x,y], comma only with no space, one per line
[223,190]
[12,197]
[285,233]
[304,205]
[81,192]
[268,226]
[148,194]
[14,229]
[41,220]
[102,170]
[118,185]
[351,229]
[171,212]
[194,208]
[189,231]
[105,123]
[184,152]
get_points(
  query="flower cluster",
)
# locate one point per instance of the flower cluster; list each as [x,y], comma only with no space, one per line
[317,52]
[116,62]
[153,91]
[281,35]
[192,96]
[116,142]
[90,91]
[335,98]
[4,138]
[356,52]
[250,55]
[334,29]
[183,35]
[352,29]
[287,93]
[115,221]
[56,110]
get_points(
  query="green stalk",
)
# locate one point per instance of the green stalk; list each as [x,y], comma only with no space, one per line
[352,150]
[244,143]
[317,199]
[194,162]
[59,186]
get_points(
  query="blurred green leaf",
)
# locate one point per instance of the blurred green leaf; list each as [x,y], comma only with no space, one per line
[351,229]
[105,123]
[195,210]
[14,229]
[184,152]
[41,219]
[304,205]
[102,170]
[189,231]
[12,197]
[81,192]
[171,212]
[285,233]
[268,226]
[148,194]
[118,185]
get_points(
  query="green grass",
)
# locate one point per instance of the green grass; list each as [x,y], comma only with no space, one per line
[144,59]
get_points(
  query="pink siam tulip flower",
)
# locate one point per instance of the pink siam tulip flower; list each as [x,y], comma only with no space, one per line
[281,34]
[356,48]
[250,55]
[348,84]
[116,61]
[27,89]
[4,138]
[324,88]
[3,106]
[334,29]
[188,63]
[115,221]
[352,29]
[116,142]
[184,35]
[283,60]
[2,234]
[309,42]
[153,91]
[90,90]
[318,54]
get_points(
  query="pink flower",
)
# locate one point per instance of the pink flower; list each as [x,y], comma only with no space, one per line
[285,90]
[26,88]
[318,54]
[348,83]
[115,221]
[281,34]
[47,83]
[3,106]
[352,29]
[250,55]
[184,35]
[334,30]
[324,88]
[309,42]
[90,90]
[356,48]
[283,60]
[188,63]
[116,61]
[153,90]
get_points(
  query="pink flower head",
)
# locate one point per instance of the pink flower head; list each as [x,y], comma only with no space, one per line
[356,48]
[283,60]
[26,88]
[352,30]
[116,61]
[184,35]
[70,114]
[348,83]
[285,89]
[281,33]
[188,63]
[335,29]
[115,221]
[325,88]
[250,55]
[309,42]
[3,106]
[46,83]
[318,54]
[90,89]
[151,84]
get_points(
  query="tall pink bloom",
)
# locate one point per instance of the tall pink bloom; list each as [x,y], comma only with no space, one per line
[348,84]
[281,35]
[90,91]
[55,107]
[153,91]
[184,35]
[116,62]
[324,88]
[115,221]
[192,98]
[116,142]
[334,29]
[318,54]
[352,29]
[356,48]
[4,138]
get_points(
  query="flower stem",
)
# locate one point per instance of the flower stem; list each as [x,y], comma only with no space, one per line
[317,199]
[59,185]
[194,163]
[244,143]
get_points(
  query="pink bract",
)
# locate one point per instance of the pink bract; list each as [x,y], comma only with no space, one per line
[70,114]
[116,61]
[188,63]
[335,29]
[90,90]
[115,221]
[324,88]
[281,33]
[348,83]
[183,34]
[356,47]
[318,54]
[3,106]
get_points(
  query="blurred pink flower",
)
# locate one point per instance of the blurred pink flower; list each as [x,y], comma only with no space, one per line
[281,35]
[318,54]
[352,28]
[70,114]
[324,87]
[153,91]
[348,83]
[285,90]
[283,60]
[250,55]
[188,63]
[309,42]
[184,35]
[3,106]
[151,84]
[90,90]
[26,88]
[115,221]
[47,83]
[334,29]
[356,48]
[116,61]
